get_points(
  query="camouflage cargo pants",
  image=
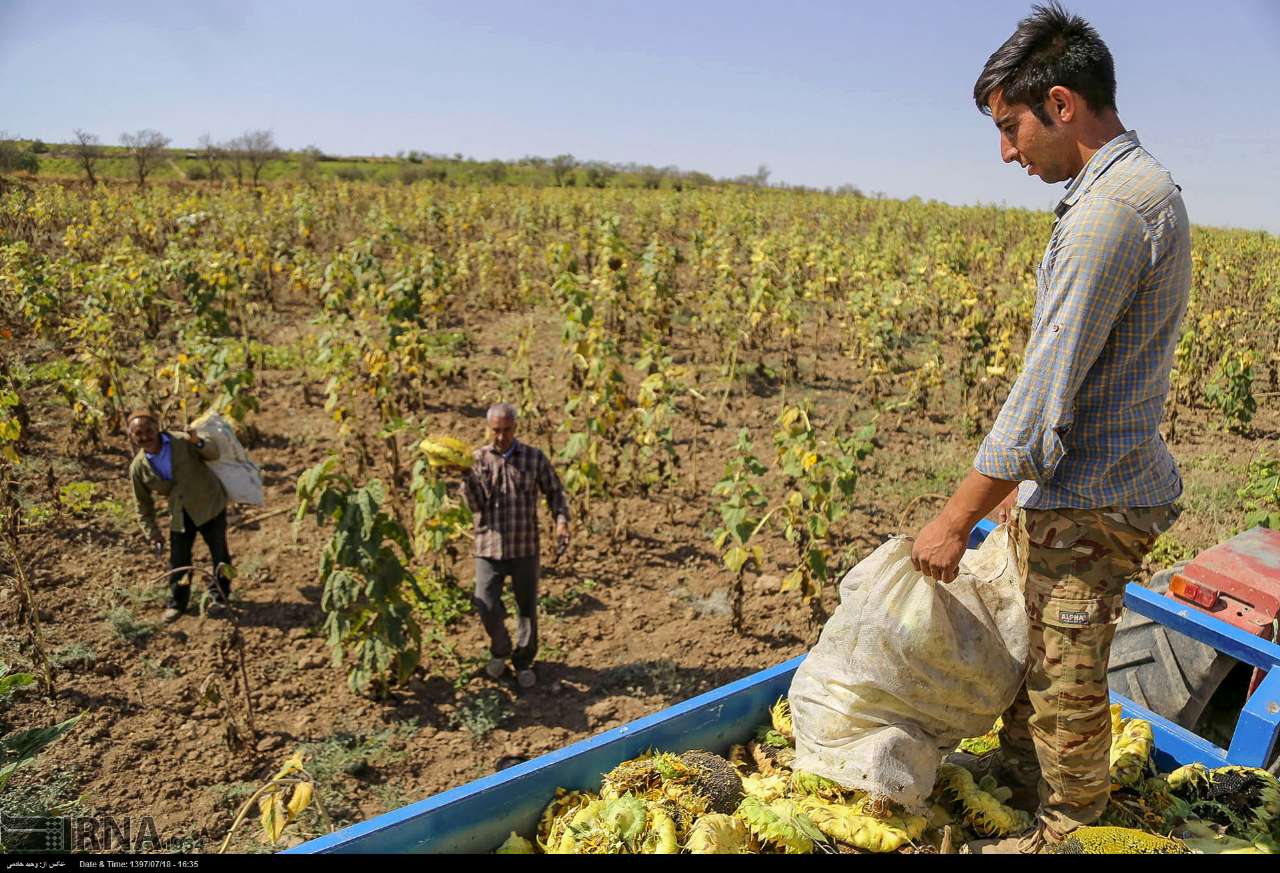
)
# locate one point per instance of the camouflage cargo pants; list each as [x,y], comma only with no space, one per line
[1057,733]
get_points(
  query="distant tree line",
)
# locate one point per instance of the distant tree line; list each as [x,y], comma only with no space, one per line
[244,159]
[244,156]
[14,158]
[566,171]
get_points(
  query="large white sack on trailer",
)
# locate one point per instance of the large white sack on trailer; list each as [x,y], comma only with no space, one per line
[239,475]
[906,667]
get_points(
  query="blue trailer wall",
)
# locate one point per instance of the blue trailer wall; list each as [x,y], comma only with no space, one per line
[478,816]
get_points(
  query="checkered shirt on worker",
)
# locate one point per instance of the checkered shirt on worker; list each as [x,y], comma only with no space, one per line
[503,493]
[1080,426]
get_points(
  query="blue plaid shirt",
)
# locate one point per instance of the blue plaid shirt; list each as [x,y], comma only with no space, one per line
[1080,426]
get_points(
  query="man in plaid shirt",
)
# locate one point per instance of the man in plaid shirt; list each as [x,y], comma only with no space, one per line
[1079,429]
[502,490]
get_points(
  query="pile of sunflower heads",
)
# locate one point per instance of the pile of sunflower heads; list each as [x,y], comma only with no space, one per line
[1193,809]
[754,802]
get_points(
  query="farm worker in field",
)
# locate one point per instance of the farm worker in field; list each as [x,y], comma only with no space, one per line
[1075,461]
[172,463]
[502,490]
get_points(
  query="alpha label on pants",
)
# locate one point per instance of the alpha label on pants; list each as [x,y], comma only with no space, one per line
[1076,611]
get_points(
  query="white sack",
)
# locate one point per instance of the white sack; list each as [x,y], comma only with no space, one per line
[240,476]
[906,667]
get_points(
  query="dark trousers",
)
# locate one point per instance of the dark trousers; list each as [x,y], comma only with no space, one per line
[214,534]
[490,574]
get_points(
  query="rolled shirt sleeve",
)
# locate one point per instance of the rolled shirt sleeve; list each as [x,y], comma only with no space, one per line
[1096,262]
[473,489]
[550,485]
[146,506]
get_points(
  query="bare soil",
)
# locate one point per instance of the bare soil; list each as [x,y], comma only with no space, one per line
[634,621]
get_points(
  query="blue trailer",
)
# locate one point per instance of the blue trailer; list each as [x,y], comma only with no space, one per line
[478,816]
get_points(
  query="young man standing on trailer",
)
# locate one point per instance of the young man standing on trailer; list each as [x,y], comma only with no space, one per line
[1079,429]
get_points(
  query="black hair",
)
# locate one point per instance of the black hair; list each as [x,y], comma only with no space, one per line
[1050,47]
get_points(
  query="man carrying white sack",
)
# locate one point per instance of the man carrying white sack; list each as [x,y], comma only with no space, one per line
[1079,429]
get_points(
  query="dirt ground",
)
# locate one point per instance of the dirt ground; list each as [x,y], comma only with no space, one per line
[630,623]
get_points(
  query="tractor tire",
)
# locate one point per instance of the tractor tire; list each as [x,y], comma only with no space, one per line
[1160,669]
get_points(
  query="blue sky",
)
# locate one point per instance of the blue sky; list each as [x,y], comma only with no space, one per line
[824,93]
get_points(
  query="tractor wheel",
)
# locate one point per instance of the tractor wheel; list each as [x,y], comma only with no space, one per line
[1165,671]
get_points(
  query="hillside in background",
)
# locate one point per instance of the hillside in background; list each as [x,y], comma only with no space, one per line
[60,161]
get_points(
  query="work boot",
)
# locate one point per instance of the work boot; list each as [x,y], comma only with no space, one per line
[1041,841]
[171,615]
[526,678]
[495,668]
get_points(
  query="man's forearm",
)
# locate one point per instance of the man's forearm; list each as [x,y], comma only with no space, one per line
[470,492]
[554,492]
[977,495]
[145,506]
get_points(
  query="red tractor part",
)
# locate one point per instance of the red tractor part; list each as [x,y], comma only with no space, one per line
[1238,582]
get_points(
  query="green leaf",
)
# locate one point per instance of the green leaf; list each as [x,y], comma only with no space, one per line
[367,508]
[846,484]
[311,477]
[576,444]
[805,825]
[398,535]
[339,542]
[14,682]
[22,747]
[818,563]
[732,515]
[1263,518]
[735,558]
[336,591]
